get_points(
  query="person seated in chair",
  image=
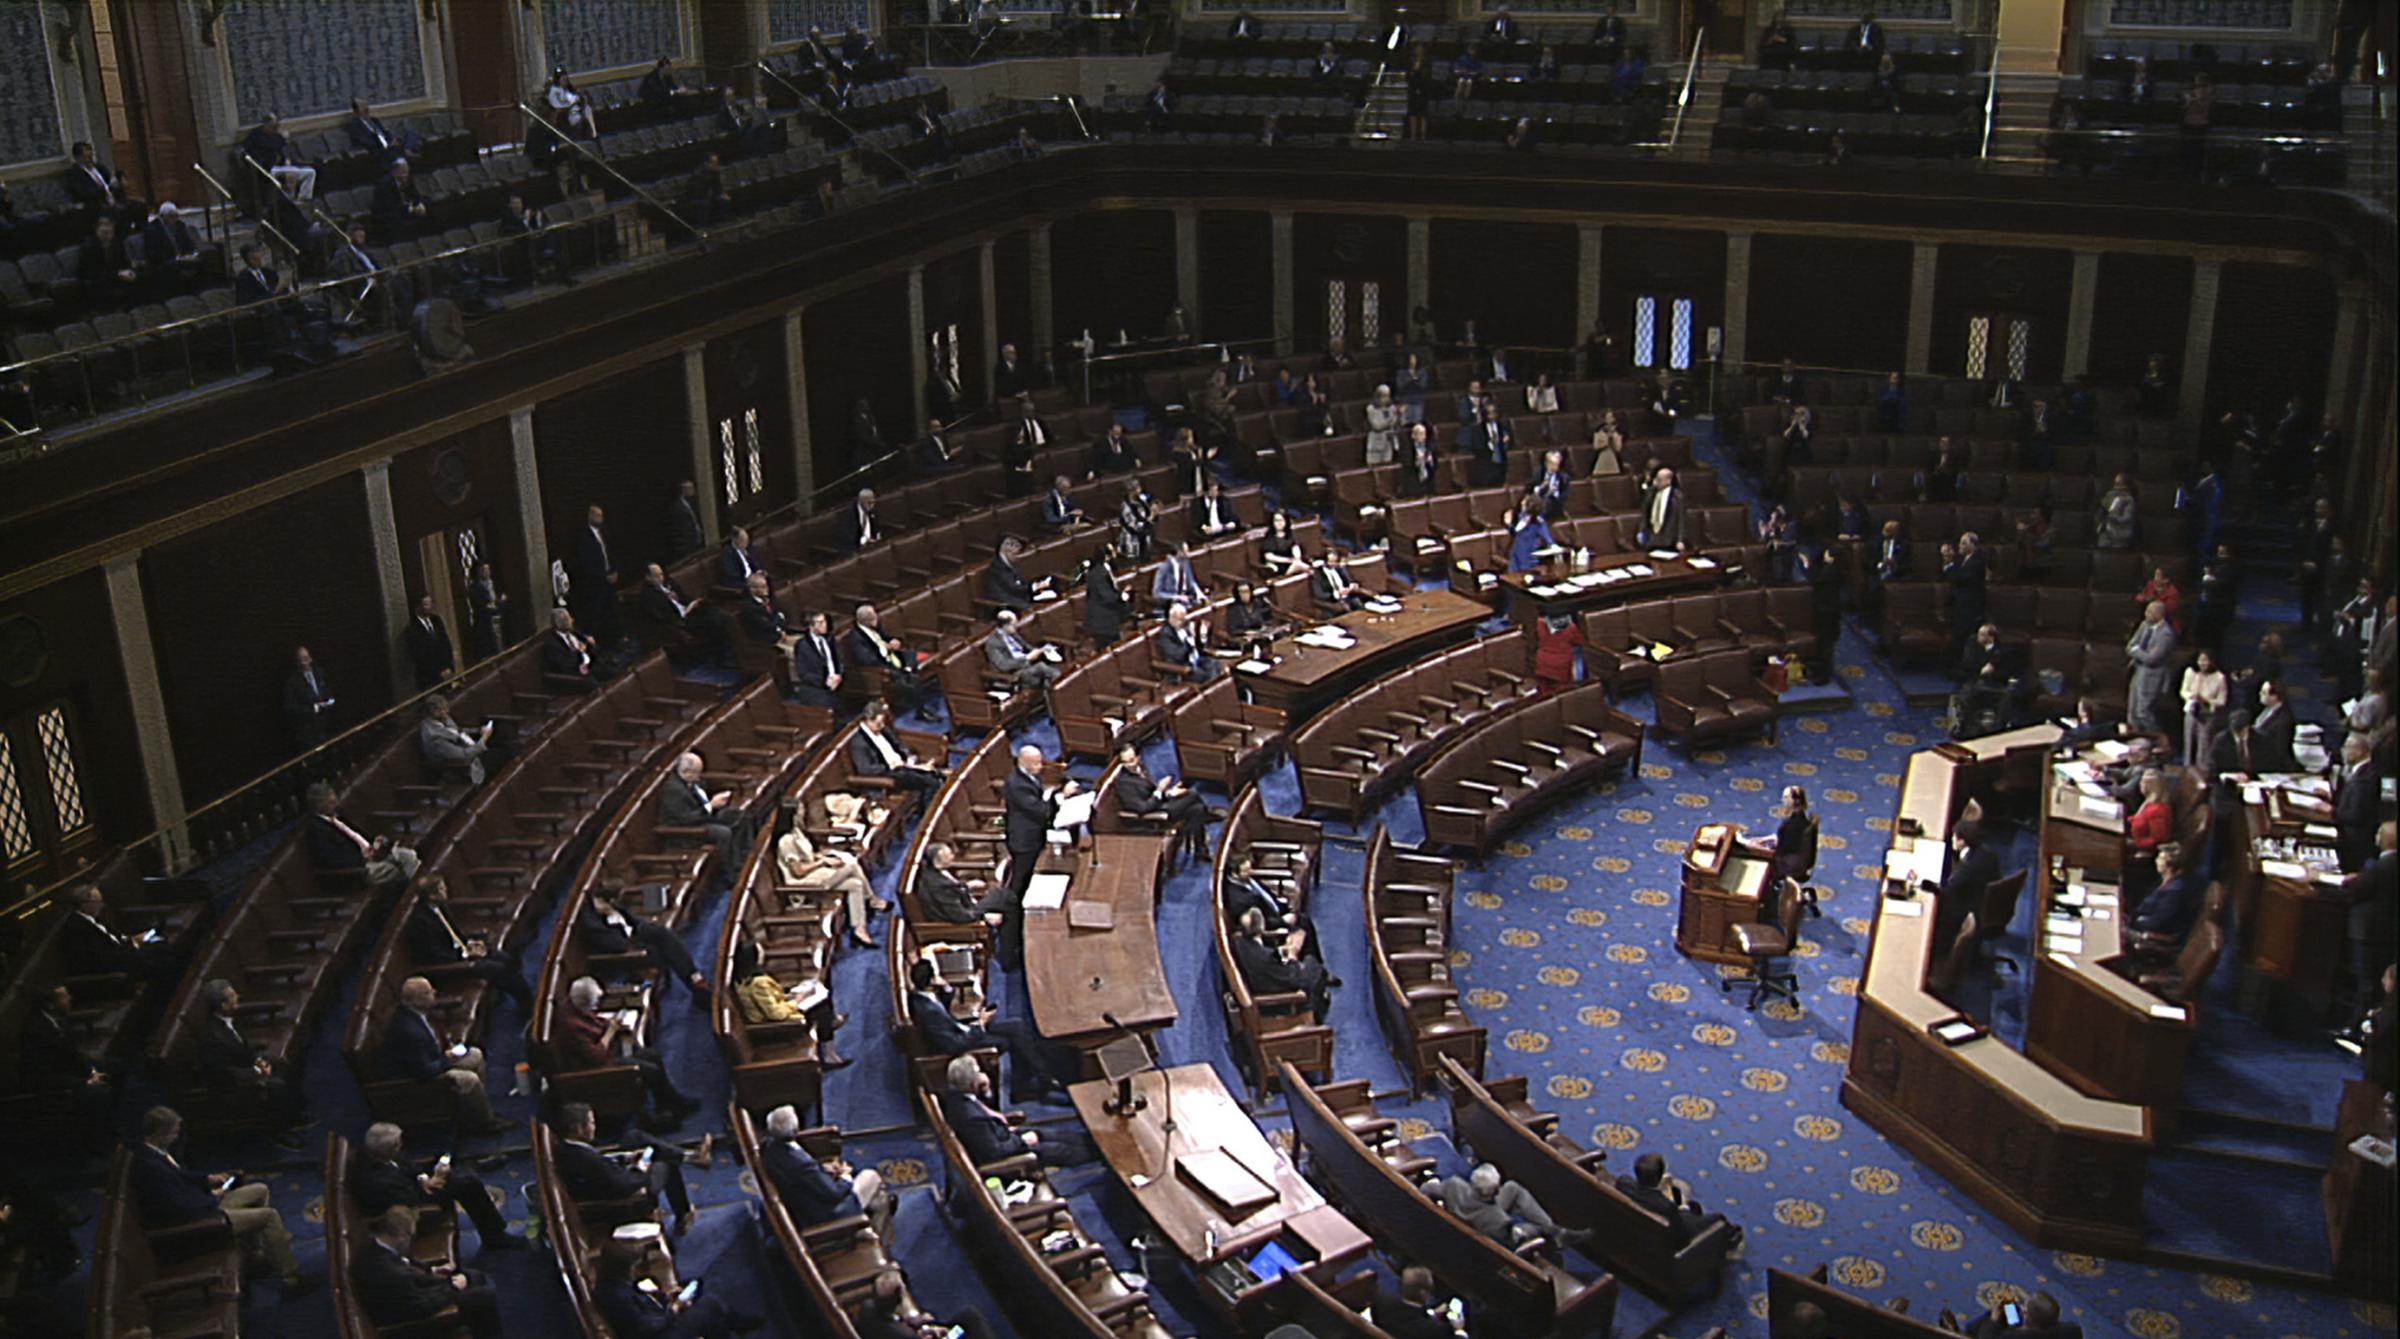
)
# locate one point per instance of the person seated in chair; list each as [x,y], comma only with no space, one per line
[1330,585]
[1136,793]
[607,929]
[871,644]
[334,845]
[1961,892]
[228,1061]
[590,1176]
[1033,668]
[1271,970]
[1212,512]
[1059,511]
[1179,644]
[1005,585]
[418,1048]
[634,1311]
[1244,892]
[718,818]
[947,1034]
[965,1100]
[381,1182]
[1502,1210]
[815,1191]
[435,939]
[1668,1197]
[950,899]
[874,752]
[2037,1318]
[93,946]
[2168,911]
[395,1289]
[167,1194]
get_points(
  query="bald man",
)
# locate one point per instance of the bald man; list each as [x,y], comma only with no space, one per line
[1032,808]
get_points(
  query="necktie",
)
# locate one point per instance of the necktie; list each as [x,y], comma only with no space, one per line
[364,846]
[825,654]
[311,676]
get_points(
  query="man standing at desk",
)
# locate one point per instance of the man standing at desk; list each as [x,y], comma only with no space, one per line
[2374,897]
[1032,808]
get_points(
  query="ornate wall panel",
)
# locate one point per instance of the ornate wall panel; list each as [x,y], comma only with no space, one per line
[606,34]
[29,127]
[306,57]
[790,20]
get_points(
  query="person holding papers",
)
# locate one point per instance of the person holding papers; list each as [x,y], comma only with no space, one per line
[1033,810]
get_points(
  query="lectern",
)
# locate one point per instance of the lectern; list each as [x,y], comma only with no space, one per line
[1723,880]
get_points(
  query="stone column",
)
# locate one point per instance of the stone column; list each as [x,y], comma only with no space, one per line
[391,583]
[1737,300]
[988,284]
[1587,289]
[131,615]
[2200,332]
[1920,308]
[1187,266]
[2348,333]
[1280,266]
[707,486]
[530,520]
[1044,339]
[795,394]
[1420,268]
[2082,293]
[920,358]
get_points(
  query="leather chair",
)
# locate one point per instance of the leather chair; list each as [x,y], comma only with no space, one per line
[1768,945]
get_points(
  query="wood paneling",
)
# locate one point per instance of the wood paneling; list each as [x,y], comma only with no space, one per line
[954,296]
[1237,274]
[469,478]
[156,67]
[1112,269]
[857,348]
[624,444]
[1516,281]
[2274,328]
[1353,248]
[2140,307]
[745,375]
[80,666]
[483,57]
[1666,263]
[2032,282]
[228,604]
[1828,302]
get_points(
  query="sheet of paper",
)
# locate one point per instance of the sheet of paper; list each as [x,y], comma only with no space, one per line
[2171,1012]
[2282,869]
[1895,906]
[2111,749]
[1705,564]
[1047,892]
[1075,810]
[1253,666]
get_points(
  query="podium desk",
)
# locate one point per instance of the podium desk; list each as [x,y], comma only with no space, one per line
[1216,1190]
[1725,883]
[1075,974]
[1552,588]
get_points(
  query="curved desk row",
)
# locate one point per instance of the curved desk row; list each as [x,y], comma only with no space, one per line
[2064,1168]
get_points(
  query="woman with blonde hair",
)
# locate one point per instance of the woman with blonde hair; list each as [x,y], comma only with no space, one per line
[801,867]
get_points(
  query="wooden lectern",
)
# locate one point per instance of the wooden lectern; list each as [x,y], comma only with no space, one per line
[1724,880]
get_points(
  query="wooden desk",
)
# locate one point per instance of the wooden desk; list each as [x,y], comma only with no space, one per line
[2293,930]
[2088,832]
[1304,678]
[1667,576]
[2064,1168]
[1074,976]
[1209,1120]
[1723,882]
[2359,1195]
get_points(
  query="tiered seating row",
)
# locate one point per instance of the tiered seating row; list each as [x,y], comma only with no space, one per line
[1407,896]
[1353,752]
[1492,776]
[1279,1029]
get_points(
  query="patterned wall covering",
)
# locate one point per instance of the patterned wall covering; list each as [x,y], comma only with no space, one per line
[606,34]
[790,20]
[2275,14]
[29,129]
[1935,11]
[306,57]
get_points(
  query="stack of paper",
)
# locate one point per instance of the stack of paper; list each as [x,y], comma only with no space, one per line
[1047,892]
[1705,564]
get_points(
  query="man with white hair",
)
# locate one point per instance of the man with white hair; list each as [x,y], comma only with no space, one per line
[986,1132]
[818,1192]
[1502,1210]
[588,1040]
[379,1181]
[683,802]
[417,1047]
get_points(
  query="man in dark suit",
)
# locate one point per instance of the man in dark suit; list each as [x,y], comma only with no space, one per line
[1961,892]
[666,609]
[334,845]
[399,207]
[1059,511]
[51,1062]
[1032,807]
[608,929]
[592,577]
[635,1308]
[885,1313]
[684,535]
[417,1048]
[861,526]
[308,701]
[1891,564]
[172,250]
[96,187]
[1135,792]
[380,1182]
[946,1033]
[256,284]
[2373,894]
[227,1060]
[168,1195]
[2037,1318]
[934,454]
[589,1174]
[817,667]
[2357,801]
[1964,567]
[437,941]
[1329,584]
[1004,584]
[735,562]
[1269,970]
[368,134]
[394,1289]
[1178,645]
[1664,1195]
[1010,377]
[93,945]
[870,644]
[566,653]
[816,1192]
[1105,608]
[762,619]
[873,752]
[986,1133]
[948,898]
[1244,892]
[2272,731]
[683,802]
[429,649]
[1213,516]
[1416,1311]
[1027,437]
[104,267]
[1662,513]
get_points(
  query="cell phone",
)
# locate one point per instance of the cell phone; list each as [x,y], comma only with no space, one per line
[643,1161]
[2011,1314]
[458,1048]
[441,1164]
[688,1291]
[1457,1312]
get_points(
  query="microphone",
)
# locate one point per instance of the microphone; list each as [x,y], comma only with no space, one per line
[1110,1018]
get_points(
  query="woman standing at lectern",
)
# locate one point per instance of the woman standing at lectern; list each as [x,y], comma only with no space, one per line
[1795,837]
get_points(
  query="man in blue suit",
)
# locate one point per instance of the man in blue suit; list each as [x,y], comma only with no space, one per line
[946,1033]
[167,1194]
[816,1192]
[986,1133]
